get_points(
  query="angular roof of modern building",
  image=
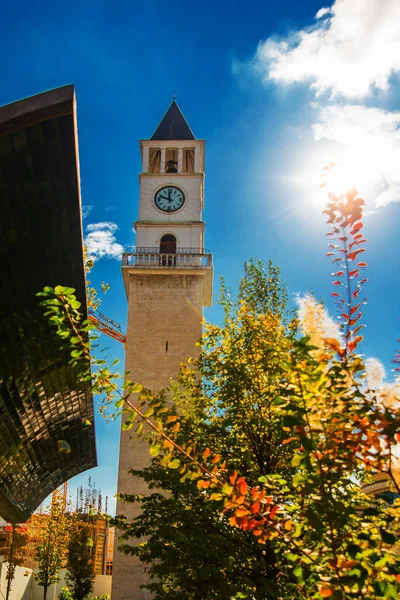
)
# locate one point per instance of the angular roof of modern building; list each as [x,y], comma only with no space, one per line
[173,125]
[45,410]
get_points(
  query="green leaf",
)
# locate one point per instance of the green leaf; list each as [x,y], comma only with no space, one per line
[227,489]
[291,557]
[299,479]
[297,531]
[216,497]
[136,388]
[155,449]
[297,460]
[299,573]
[385,589]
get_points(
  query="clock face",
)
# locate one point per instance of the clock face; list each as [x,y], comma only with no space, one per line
[169,199]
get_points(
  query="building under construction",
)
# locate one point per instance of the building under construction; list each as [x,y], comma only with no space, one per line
[87,514]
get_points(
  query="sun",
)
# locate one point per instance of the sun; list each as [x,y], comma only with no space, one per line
[337,179]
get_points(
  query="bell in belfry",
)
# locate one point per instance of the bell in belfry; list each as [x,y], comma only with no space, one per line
[171,166]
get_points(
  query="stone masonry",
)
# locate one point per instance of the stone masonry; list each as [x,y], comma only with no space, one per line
[164,323]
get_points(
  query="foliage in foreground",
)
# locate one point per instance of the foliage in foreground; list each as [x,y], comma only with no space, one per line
[267,436]
[80,567]
[51,548]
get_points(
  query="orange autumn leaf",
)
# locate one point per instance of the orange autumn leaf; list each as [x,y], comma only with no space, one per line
[356,228]
[355,308]
[171,419]
[326,590]
[203,485]
[273,511]
[206,453]
[353,255]
[176,427]
[233,477]
[349,564]
[242,485]
[332,343]
[288,440]
[241,512]
[255,508]
[216,459]
[255,493]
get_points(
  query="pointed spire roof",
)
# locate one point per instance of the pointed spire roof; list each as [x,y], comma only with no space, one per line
[173,125]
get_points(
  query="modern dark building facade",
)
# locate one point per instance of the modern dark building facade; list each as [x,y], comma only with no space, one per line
[46,413]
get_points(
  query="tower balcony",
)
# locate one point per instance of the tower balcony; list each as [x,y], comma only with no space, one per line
[183,261]
[181,258]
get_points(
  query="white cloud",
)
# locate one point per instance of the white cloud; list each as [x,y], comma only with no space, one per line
[369,141]
[352,49]
[86,210]
[100,241]
[375,372]
[316,322]
[102,225]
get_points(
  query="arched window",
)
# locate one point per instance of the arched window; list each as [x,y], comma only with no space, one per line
[168,244]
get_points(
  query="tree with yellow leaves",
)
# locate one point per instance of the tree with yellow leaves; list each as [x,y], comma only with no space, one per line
[263,441]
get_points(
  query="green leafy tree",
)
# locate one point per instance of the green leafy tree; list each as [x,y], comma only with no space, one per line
[191,551]
[51,548]
[80,566]
[270,430]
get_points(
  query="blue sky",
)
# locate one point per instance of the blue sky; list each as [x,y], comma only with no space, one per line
[275,91]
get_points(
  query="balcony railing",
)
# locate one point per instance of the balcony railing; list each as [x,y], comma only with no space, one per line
[152,257]
[156,250]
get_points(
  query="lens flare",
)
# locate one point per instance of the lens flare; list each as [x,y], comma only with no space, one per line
[63,447]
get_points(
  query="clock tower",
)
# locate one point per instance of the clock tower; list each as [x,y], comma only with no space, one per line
[168,281]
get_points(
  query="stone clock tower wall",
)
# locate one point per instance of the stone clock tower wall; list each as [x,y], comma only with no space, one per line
[166,292]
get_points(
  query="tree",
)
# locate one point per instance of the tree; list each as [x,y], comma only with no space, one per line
[51,548]
[192,552]
[80,567]
[271,429]
[15,552]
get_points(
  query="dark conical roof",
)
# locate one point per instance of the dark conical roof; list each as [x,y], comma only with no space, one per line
[173,126]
